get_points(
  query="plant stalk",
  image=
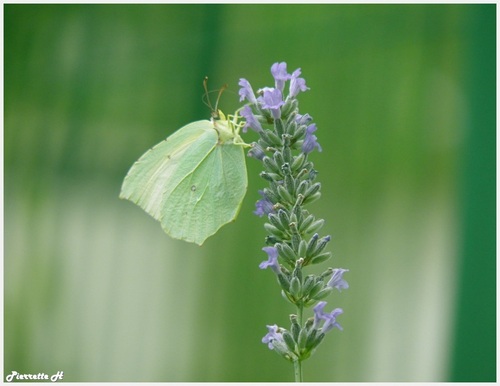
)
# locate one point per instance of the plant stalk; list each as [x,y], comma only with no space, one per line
[297,365]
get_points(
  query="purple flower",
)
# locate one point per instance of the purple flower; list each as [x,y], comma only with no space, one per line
[329,318]
[272,260]
[272,99]
[256,151]
[264,205]
[318,313]
[297,84]
[303,119]
[272,335]
[246,91]
[310,141]
[251,120]
[337,281]
[280,75]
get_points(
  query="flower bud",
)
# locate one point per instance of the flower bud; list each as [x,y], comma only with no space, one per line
[298,162]
[271,177]
[285,195]
[317,341]
[309,323]
[311,338]
[311,247]
[290,342]
[300,200]
[296,238]
[302,339]
[302,248]
[308,284]
[287,253]
[323,293]
[279,127]
[295,329]
[271,165]
[321,257]
[274,139]
[315,226]
[287,154]
[271,194]
[283,218]
[312,189]
[327,273]
[306,222]
[322,244]
[302,187]
[278,158]
[289,106]
[271,240]
[316,288]
[295,287]
[284,282]
[290,184]
[274,220]
[299,133]
[274,231]
[297,272]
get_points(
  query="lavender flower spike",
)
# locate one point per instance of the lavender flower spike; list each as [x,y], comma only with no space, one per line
[246,91]
[311,141]
[278,70]
[337,281]
[286,137]
[272,261]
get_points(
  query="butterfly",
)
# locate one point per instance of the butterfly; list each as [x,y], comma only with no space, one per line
[194,181]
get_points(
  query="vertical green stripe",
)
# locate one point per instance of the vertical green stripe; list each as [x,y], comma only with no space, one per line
[474,351]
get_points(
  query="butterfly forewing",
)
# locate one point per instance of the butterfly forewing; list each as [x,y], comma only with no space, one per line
[161,168]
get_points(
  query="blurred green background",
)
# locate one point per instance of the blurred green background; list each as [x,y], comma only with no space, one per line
[404,97]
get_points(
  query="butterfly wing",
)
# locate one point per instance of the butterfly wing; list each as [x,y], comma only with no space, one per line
[161,168]
[208,197]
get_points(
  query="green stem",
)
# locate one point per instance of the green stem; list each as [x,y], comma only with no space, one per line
[297,365]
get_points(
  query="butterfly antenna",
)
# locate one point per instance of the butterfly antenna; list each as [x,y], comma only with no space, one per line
[214,112]
[223,88]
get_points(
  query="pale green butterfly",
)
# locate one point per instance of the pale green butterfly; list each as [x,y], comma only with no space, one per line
[194,181]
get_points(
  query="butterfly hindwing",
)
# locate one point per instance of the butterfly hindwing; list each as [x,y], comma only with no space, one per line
[207,198]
